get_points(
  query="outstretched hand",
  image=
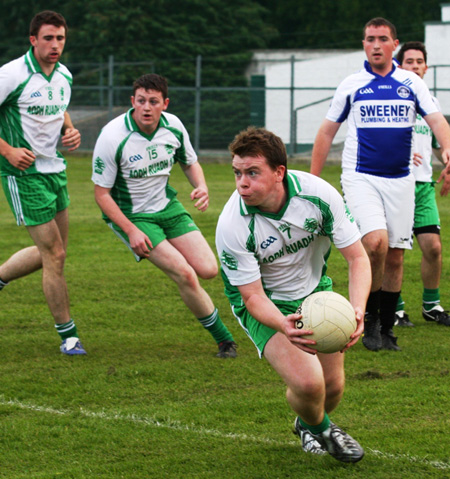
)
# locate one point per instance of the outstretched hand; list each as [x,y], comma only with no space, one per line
[71,139]
[354,338]
[200,194]
[445,175]
[296,336]
[140,243]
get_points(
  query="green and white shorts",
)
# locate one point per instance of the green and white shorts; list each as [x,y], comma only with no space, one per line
[35,199]
[171,222]
[426,213]
[258,332]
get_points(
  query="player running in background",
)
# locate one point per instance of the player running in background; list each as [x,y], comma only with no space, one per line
[132,160]
[35,92]
[273,239]
[412,56]
[380,103]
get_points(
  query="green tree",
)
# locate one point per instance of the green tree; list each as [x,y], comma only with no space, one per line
[325,24]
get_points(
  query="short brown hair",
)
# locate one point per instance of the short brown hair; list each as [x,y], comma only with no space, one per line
[152,81]
[381,22]
[411,46]
[47,17]
[256,142]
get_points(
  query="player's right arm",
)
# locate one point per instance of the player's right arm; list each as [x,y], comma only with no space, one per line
[359,282]
[264,310]
[322,145]
[10,77]
[20,158]
[139,241]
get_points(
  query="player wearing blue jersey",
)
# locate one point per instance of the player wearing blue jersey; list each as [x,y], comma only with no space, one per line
[132,161]
[380,104]
[273,239]
[412,56]
[34,94]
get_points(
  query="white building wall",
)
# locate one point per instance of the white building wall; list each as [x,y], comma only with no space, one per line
[437,41]
[318,73]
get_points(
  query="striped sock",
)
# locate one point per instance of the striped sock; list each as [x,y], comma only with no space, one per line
[2,284]
[430,298]
[215,326]
[400,304]
[67,330]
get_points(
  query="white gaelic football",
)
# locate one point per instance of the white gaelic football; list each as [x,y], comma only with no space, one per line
[331,317]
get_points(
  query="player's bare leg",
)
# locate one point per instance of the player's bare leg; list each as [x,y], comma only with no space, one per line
[49,241]
[303,375]
[376,246]
[28,260]
[195,249]
[49,253]
[166,257]
[308,386]
[334,375]
[431,265]
[20,264]
[170,260]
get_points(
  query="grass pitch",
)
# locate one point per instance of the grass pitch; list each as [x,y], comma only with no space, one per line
[151,401]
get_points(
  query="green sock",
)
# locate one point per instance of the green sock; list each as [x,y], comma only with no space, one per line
[214,325]
[67,330]
[323,426]
[2,284]
[430,298]
[400,304]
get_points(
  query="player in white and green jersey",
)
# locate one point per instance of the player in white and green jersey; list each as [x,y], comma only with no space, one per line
[413,57]
[35,91]
[273,239]
[132,161]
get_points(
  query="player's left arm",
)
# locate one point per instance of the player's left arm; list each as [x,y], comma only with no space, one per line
[194,173]
[441,130]
[359,282]
[71,136]
[445,175]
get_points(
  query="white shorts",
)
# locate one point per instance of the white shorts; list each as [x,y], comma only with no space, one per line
[379,203]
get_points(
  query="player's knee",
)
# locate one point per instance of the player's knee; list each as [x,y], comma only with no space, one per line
[376,246]
[208,271]
[308,389]
[434,251]
[394,261]
[54,259]
[186,277]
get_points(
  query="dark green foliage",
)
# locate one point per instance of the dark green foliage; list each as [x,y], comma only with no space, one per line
[325,24]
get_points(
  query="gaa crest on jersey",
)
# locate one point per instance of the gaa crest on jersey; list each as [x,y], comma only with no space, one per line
[403,91]
[99,166]
[229,261]
[268,241]
[310,225]
[168,148]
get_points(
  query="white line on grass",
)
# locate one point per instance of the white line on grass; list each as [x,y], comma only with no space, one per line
[178,426]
